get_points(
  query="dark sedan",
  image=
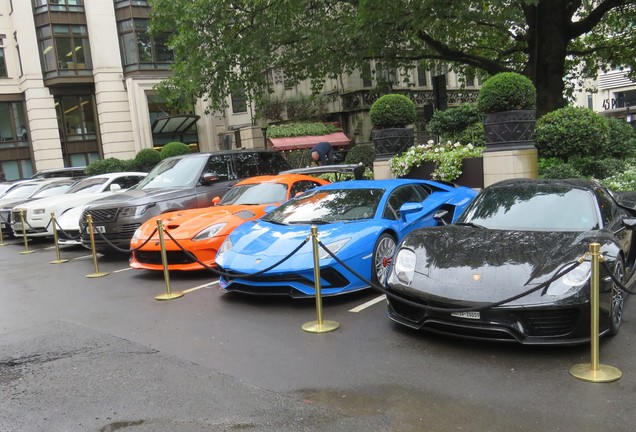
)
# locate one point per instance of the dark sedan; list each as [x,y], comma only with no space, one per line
[516,235]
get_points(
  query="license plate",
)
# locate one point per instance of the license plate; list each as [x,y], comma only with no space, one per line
[99,229]
[468,315]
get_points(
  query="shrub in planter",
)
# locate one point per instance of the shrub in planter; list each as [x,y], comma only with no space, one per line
[508,101]
[392,111]
[562,170]
[174,149]
[147,158]
[622,138]
[454,121]
[104,166]
[597,168]
[507,91]
[361,153]
[572,131]
[390,114]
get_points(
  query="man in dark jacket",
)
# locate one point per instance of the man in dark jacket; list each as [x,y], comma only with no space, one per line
[322,153]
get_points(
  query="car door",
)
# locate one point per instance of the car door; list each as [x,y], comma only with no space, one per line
[220,170]
[408,194]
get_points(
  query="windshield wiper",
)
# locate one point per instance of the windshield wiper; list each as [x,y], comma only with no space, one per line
[471,224]
[310,222]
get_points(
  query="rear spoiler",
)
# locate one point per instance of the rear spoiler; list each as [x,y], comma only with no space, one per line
[356,170]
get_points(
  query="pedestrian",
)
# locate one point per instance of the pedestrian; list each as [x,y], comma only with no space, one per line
[322,153]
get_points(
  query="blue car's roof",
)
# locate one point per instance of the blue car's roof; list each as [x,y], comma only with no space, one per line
[387,184]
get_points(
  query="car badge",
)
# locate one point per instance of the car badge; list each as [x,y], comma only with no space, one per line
[476,277]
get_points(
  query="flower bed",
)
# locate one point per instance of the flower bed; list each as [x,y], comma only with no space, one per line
[447,159]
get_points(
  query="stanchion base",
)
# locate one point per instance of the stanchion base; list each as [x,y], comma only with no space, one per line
[96,275]
[605,373]
[3,244]
[170,296]
[26,252]
[60,261]
[315,327]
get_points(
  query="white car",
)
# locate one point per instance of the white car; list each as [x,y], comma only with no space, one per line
[27,191]
[68,227]
[37,214]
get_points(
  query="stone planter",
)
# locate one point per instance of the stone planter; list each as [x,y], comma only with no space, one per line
[389,142]
[509,130]
[472,173]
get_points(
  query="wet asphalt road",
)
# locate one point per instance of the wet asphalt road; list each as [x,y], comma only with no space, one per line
[83,354]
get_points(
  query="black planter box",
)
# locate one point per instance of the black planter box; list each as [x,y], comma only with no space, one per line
[472,172]
[392,141]
[509,130]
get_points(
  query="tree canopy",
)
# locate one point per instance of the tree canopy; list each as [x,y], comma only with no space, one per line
[230,45]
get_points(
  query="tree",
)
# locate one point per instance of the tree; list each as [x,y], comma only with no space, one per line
[222,45]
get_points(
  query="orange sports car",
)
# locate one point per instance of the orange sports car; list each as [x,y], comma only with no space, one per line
[201,231]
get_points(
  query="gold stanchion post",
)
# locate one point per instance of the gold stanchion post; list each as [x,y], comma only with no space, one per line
[24,236]
[89,221]
[2,243]
[318,326]
[594,371]
[58,259]
[166,274]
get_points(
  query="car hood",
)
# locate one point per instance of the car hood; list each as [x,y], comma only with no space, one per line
[10,203]
[260,244]
[185,224]
[474,264]
[64,200]
[135,197]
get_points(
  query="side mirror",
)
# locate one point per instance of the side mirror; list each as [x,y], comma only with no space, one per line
[114,187]
[209,178]
[440,216]
[629,223]
[216,200]
[410,208]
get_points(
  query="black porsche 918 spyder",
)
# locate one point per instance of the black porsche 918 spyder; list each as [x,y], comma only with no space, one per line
[517,234]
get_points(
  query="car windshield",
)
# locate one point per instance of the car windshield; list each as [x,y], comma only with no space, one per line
[87,185]
[174,173]
[51,190]
[326,206]
[263,193]
[22,191]
[533,208]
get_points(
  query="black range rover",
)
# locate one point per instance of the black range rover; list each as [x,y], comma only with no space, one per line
[176,183]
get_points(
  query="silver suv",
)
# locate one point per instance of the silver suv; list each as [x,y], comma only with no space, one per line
[176,183]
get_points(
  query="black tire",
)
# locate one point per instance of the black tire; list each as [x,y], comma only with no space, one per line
[617,299]
[382,258]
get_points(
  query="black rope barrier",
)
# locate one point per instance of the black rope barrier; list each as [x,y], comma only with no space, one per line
[618,283]
[484,307]
[237,275]
[117,248]
[68,236]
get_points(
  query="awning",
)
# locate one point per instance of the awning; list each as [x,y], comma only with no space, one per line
[174,124]
[308,141]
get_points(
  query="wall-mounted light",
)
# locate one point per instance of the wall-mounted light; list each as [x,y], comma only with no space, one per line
[628,115]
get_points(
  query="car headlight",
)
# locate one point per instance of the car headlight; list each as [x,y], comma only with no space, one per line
[209,232]
[135,210]
[334,247]
[225,246]
[404,266]
[136,236]
[574,278]
[39,211]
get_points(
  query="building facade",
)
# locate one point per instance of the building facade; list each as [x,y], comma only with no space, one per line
[77,82]
[611,94]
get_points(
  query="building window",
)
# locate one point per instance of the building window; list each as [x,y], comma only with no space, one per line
[3,64]
[64,50]
[78,133]
[421,77]
[239,101]
[590,102]
[40,6]
[124,3]
[367,80]
[158,108]
[15,158]
[385,74]
[141,51]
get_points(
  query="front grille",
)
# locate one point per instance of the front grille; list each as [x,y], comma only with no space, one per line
[551,322]
[173,257]
[101,215]
[15,215]
[265,290]
[5,217]
[330,278]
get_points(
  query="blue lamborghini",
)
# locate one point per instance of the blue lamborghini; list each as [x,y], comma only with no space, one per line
[359,221]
